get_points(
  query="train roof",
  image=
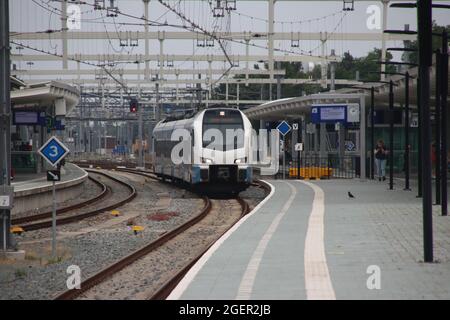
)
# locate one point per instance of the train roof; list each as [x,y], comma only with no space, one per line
[192,113]
[187,115]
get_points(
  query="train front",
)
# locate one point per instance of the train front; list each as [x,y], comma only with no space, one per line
[224,153]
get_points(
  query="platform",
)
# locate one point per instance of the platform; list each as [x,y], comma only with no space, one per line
[310,240]
[34,191]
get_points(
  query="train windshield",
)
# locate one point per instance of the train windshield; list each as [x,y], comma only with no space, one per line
[223,129]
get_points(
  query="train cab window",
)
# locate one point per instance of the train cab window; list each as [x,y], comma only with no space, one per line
[227,122]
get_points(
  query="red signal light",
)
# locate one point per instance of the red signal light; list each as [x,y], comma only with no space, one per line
[133,105]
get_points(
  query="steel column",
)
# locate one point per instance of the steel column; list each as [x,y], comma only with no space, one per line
[5,119]
[391,135]
[437,120]
[424,22]
[444,94]
[407,146]
[363,132]
[372,132]
[383,39]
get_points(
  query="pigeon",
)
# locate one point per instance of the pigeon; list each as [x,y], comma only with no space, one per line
[350,195]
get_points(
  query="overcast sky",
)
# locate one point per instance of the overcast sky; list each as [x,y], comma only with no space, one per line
[27,15]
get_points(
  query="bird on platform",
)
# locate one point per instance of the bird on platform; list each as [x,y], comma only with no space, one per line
[350,195]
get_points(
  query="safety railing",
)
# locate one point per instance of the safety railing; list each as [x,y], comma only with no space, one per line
[315,167]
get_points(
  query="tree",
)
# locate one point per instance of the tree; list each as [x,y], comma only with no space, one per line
[412,56]
[345,69]
[365,66]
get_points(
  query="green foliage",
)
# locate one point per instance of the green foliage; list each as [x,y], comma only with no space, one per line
[413,57]
[57,259]
[345,69]
[366,66]
[20,273]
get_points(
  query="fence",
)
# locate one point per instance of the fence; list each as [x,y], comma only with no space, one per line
[315,167]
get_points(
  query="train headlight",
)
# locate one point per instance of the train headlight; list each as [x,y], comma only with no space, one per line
[206,160]
[240,160]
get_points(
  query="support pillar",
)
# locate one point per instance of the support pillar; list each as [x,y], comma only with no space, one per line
[271,44]
[5,122]
[247,41]
[424,22]
[383,39]
[147,46]
[362,137]
[64,33]
[323,140]
[341,137]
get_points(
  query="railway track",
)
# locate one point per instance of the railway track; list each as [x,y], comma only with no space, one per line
[164,291]
[136,257]
[43,220]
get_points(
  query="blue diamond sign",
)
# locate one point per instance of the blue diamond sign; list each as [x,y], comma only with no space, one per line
[284,128]
[53,151]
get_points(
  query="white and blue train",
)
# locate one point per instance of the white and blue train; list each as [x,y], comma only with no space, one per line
[215,145]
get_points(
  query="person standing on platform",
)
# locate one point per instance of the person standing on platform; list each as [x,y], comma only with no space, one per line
[380,159]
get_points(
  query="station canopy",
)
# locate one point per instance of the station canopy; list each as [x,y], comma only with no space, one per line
[43,94]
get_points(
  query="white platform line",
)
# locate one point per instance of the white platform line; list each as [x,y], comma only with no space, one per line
[317,278]
[248,279]
[192,273]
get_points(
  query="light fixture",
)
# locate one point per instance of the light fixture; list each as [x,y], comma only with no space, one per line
[348,5]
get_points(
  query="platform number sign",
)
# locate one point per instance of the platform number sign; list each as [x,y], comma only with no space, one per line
[6,197]
[5,202]
[53,151]
[298,146]
[284,128]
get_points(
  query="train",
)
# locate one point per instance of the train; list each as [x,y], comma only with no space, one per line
[210,150]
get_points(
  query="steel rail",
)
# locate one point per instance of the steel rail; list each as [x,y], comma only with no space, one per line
[164,291]
[136,255]
[45,215]
[78,217]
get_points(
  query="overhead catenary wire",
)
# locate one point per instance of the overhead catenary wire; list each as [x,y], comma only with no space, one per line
[215,25]
[195,28]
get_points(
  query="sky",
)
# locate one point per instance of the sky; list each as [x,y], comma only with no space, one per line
[290,16]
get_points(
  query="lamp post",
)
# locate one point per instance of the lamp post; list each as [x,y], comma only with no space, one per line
[391,130]
[419,146]
[424,24]
[391,135]
[372,132]
[372,126]
[6,191]
[444,94]
[406,127]
[437,120]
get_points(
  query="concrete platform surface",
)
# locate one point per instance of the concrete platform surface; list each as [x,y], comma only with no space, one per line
[37,192]
[69,172]
[310,240]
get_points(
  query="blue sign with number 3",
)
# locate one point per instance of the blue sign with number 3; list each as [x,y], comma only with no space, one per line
[53,151]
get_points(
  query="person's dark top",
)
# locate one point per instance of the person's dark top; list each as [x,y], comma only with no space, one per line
[380,153]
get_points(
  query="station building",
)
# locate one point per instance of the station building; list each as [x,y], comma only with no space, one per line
[337,136]
[38,113]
